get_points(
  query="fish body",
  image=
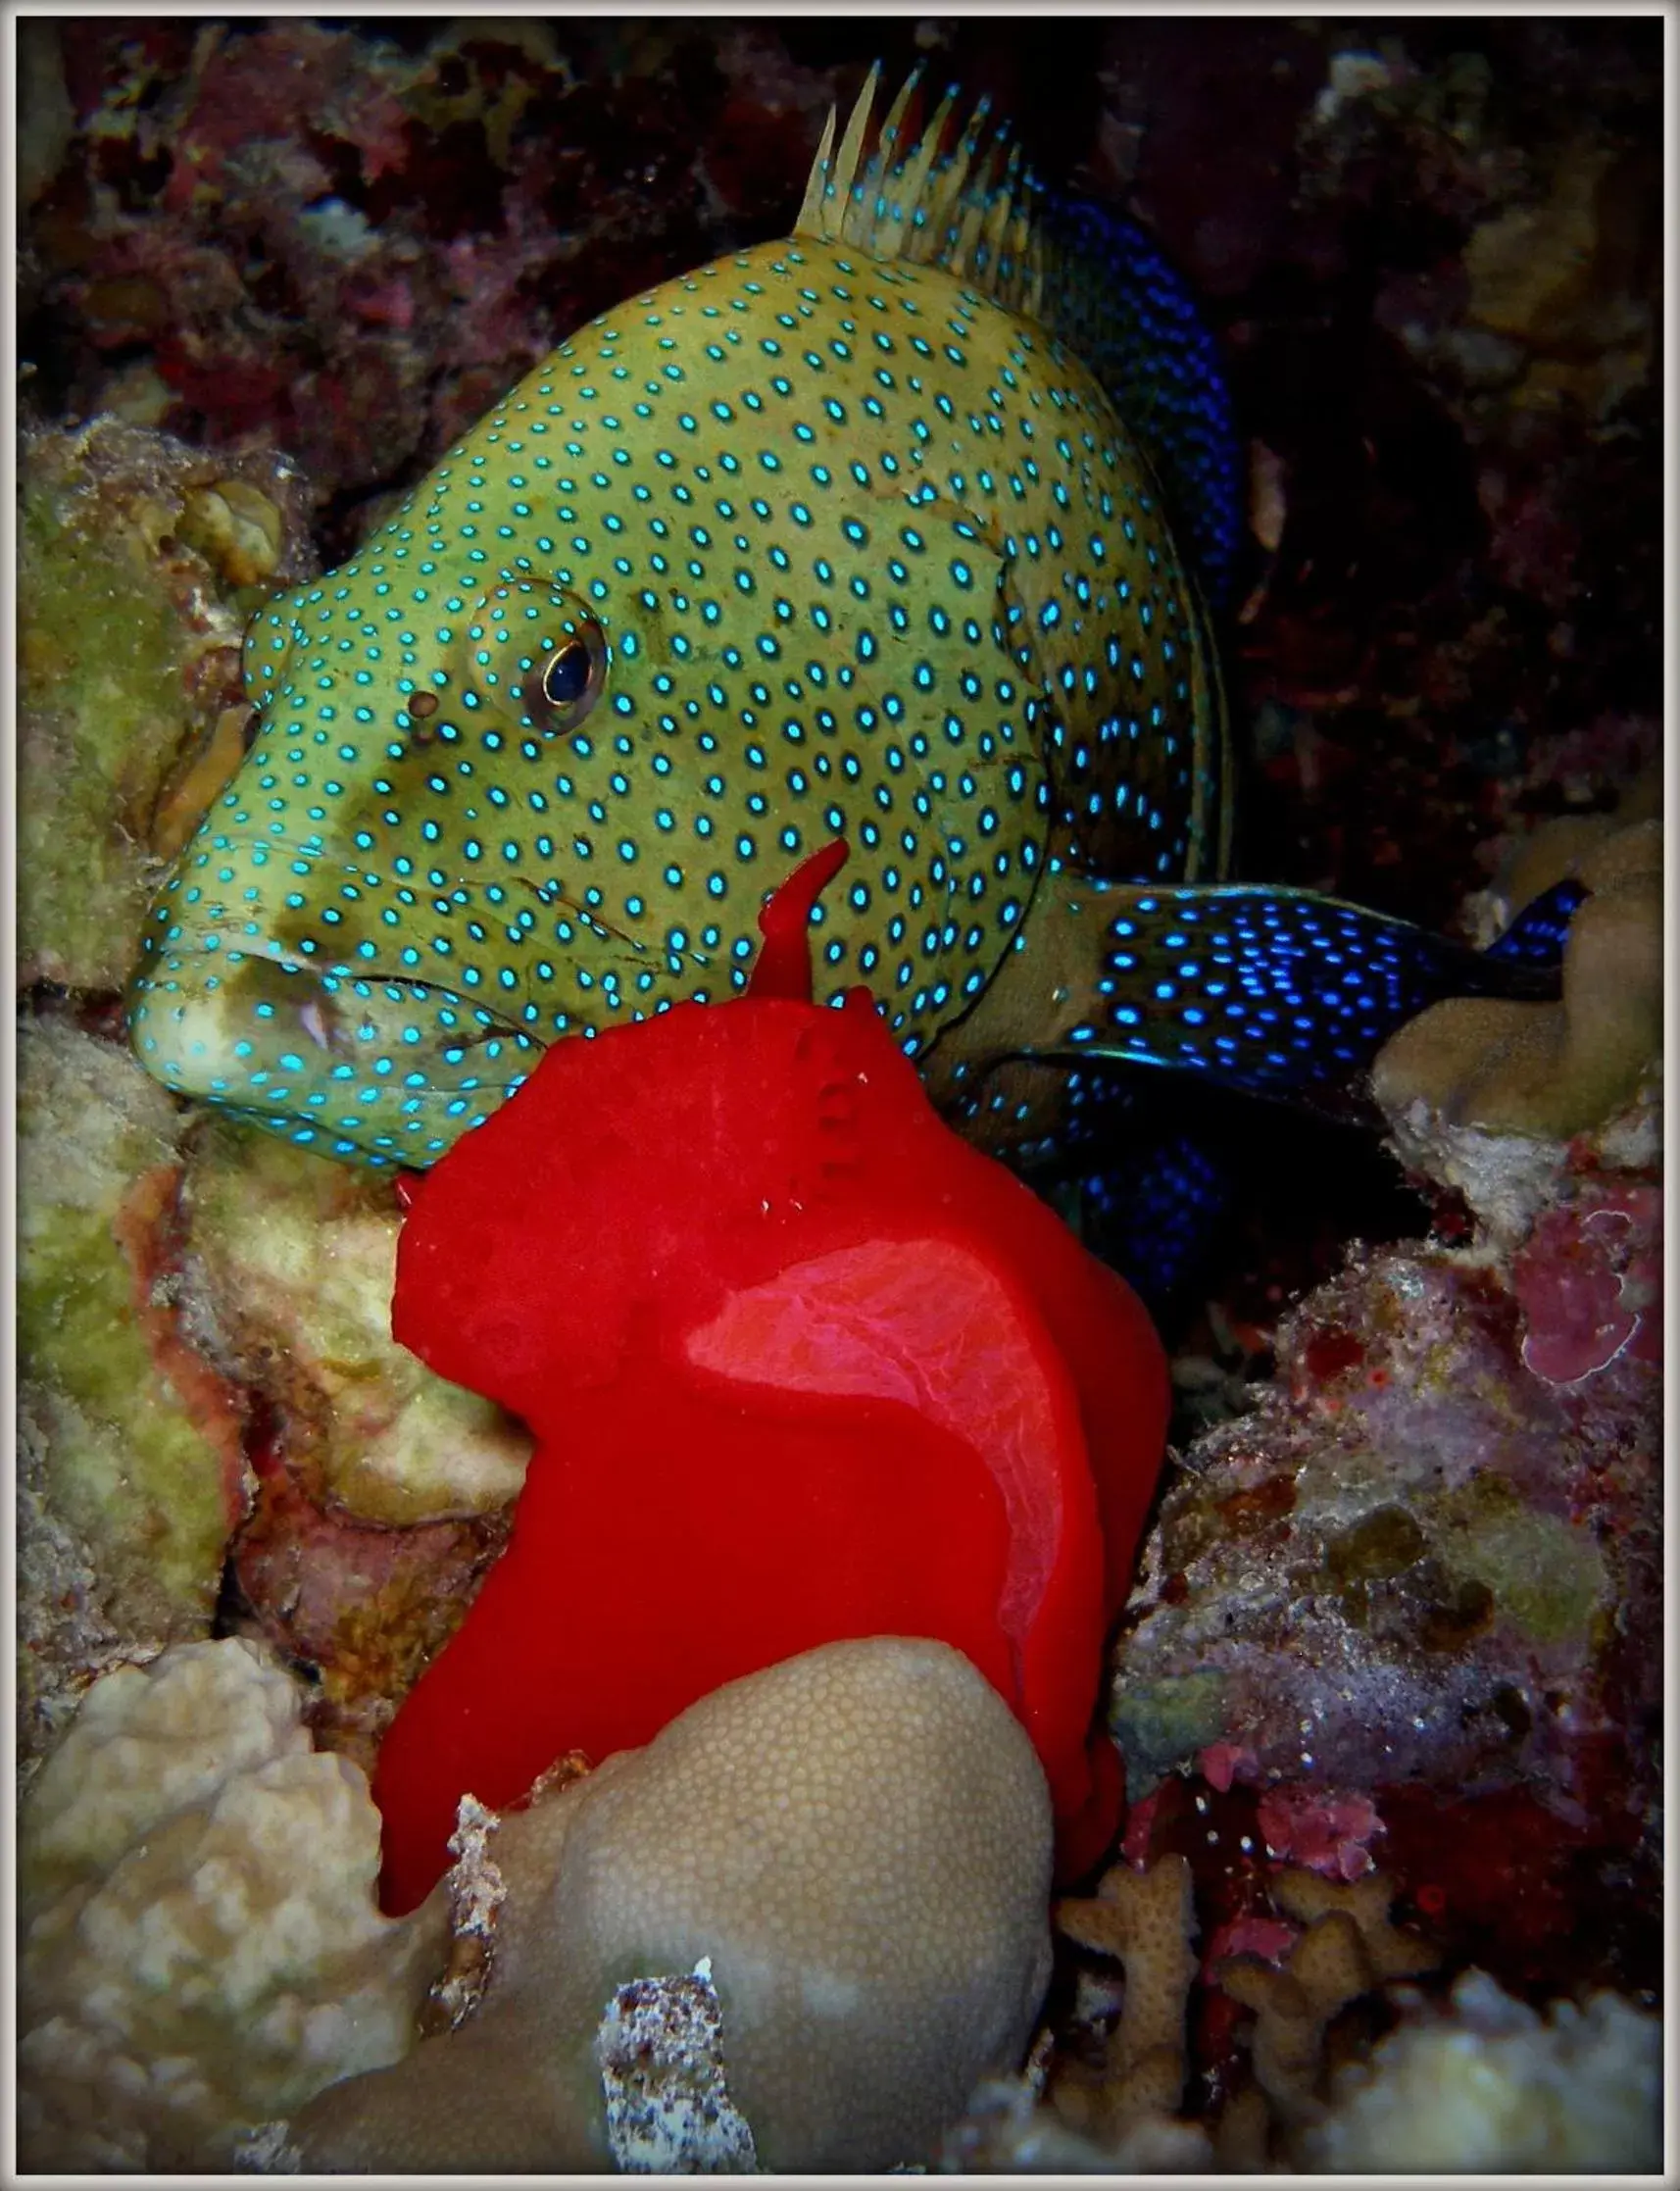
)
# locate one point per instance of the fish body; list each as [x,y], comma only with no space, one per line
[832,537]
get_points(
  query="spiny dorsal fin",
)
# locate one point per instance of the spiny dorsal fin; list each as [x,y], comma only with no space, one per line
[971,215]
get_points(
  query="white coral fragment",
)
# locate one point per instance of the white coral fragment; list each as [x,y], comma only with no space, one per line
[1493,2086]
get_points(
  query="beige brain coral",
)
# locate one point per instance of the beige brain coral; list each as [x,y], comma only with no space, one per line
[859,1840]
[1548,1069]
[199,1946]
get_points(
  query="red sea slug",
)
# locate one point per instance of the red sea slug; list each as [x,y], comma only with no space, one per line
[801,1366]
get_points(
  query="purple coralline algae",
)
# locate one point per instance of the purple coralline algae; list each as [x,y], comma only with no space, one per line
[1411,1559]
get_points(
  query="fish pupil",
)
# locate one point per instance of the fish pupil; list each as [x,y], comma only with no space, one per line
[565,674]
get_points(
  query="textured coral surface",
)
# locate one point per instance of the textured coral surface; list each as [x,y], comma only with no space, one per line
[199,1946]
[131,1476]
[859,1839]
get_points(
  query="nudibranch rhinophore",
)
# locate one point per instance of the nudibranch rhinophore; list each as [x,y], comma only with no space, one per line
[802,1366]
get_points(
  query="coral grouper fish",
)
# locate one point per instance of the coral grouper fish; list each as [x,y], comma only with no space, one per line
[861,534]
[802,1366]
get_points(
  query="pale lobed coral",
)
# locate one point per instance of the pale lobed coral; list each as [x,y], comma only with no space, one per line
[857,1838]
[199,1945]
[1547,1071]
[287,1282]
[1494,2086]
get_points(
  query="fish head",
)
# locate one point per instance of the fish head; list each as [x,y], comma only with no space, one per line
[684,608]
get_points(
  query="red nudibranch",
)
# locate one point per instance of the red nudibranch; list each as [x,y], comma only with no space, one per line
[801,1366]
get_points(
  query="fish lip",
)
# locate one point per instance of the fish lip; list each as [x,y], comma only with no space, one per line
[344,970]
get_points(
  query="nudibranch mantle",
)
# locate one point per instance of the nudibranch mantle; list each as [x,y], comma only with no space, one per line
[801,1366]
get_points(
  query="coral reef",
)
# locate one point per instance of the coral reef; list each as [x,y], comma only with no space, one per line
[859,1839]
[1122,2092]
[139,561]
[1347,1948]
[1431,247]
[1146,1920]
[1490,2084]
[131,1473]
[380,1491]
[365,1605]
[354,239]
[199,1946]
[1409,1600]
[1458,447]
[1418,1557]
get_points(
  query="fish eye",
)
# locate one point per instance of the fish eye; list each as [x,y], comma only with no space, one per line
[564,685]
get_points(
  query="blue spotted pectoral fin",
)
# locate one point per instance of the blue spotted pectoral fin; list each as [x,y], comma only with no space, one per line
[1277,992]
[377,1072]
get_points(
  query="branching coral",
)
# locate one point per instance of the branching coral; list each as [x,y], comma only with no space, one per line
[859,1838]
[1349,1948]
[1146,1920]
[199,1945]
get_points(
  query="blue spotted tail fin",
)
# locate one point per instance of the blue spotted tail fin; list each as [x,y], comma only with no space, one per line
[1536,937]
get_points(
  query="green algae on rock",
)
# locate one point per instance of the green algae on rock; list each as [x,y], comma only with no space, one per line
[139,561]
[132,1444]
[1159,1724]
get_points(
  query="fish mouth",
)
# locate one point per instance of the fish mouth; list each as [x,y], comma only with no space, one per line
[332,1022]
[364,1064]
